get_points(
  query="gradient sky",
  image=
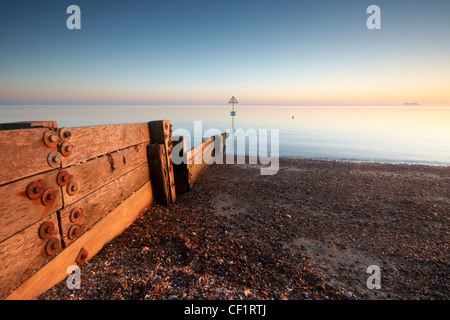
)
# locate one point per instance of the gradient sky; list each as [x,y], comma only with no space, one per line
[262,52]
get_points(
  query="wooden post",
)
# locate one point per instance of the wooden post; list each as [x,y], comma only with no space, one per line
[161,167]
[180,171]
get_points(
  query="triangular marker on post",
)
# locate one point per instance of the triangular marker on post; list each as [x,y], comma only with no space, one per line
[233,100]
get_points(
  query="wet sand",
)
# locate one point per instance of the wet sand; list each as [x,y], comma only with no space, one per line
[308,232]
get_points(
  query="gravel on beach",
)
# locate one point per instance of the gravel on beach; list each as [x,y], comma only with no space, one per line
[309,232]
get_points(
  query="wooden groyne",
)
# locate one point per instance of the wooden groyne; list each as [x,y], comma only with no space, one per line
[66,192]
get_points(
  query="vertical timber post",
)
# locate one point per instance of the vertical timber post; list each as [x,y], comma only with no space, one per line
[160,159]
[181,170]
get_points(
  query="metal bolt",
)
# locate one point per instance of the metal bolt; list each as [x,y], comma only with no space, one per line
[74,232]
[48,197]
[52,246]
[54,159]
[76,215]
[82,257]
[64,134]
[63,178]
[35,189]
[50,139]
[72,188]
[46,230]
[66,149]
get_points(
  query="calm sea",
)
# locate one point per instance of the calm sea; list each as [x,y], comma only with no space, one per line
[409,134]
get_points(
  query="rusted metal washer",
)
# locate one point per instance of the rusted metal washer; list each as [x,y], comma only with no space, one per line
[35,189]
[46,230]
[66,149]
[76,215]
[63,178]
[50,139]
[72,188]
[48,197]
[65,134]
[74,232]
[54,159]
[82,257]
[52,246]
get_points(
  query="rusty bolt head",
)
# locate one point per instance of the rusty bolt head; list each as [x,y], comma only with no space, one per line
[46,230]
[82,257]
[72,188]
[66,149]
[76,215]
[54,159]
[35,189]
[74,232]
[63,178]
[50,139]
[65,134]
[52,246]
[48,197]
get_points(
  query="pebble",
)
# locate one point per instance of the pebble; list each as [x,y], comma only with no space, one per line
[181,252]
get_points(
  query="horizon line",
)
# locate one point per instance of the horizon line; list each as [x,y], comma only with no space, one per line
[406,104]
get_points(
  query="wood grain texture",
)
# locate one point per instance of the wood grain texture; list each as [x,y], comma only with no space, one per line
[93,241]
[159,173]
[23,153]
[98,172]
[161,133]
[91,142]
[28,125]
[196,154]
[97,204]
[197,160]
[17,211]
[22,254]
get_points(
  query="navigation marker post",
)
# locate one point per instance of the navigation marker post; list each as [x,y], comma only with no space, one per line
[232,113]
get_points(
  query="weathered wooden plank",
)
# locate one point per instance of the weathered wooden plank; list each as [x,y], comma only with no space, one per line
[161,133]
[92,175]
[17,211]
[97,204]
[199,156]
[91,142]
[196,154]
[28,124]
[23,153]
[92,241]
[22,254]
[159,173]
[180,170]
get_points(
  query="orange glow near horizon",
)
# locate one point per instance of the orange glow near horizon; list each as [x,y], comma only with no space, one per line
[328,89]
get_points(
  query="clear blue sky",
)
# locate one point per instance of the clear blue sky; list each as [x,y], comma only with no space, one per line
[284,52]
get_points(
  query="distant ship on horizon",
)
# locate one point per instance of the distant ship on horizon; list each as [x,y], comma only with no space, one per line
[411,104]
